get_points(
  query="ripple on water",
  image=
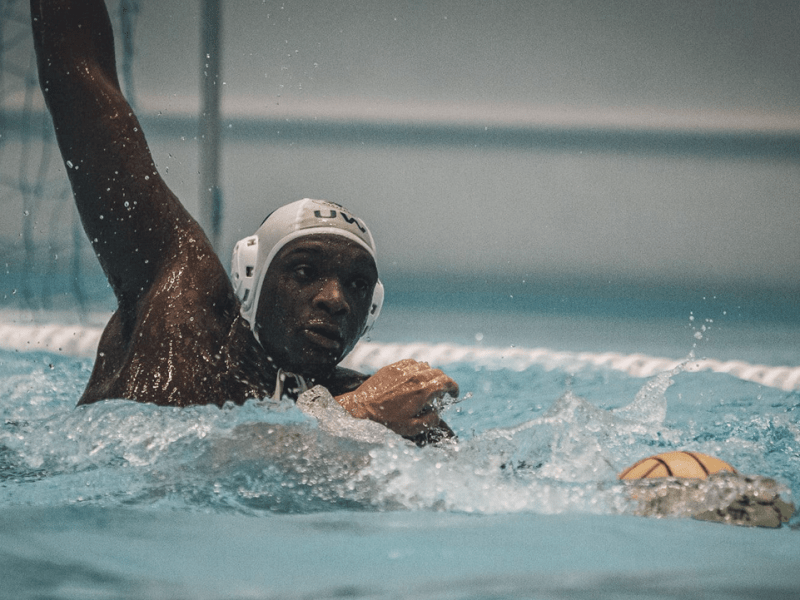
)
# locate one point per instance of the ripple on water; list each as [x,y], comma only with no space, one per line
[535,441]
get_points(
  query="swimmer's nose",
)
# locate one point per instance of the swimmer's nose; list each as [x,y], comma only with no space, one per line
[331,297]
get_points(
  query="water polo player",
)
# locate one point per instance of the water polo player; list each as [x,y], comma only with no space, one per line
[307,280]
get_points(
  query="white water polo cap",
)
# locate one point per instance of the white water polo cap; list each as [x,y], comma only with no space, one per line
[253,255]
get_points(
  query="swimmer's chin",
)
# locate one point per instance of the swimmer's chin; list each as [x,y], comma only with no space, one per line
[316,363]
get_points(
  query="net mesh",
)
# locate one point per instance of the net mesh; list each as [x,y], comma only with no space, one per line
[47,261]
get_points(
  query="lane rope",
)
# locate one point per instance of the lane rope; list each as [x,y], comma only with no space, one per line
[81,342]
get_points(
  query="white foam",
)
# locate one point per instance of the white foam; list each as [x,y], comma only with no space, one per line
[81,341]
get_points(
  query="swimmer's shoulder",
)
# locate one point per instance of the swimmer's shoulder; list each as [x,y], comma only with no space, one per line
[183,342]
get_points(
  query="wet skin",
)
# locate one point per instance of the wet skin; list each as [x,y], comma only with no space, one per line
[177,337]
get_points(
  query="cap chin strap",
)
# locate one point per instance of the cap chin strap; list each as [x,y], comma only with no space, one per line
[280,383]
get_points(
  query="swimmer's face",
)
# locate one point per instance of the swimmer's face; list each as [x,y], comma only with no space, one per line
[314,303]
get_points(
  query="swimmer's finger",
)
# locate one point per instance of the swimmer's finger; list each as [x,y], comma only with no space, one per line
[424,422]
[440,399]
[435,385]
[453,388]
[445,384]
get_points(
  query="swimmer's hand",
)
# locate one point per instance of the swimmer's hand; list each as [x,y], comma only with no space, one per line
[405,397]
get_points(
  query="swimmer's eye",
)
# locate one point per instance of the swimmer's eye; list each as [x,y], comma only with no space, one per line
[303,272]
[360,285]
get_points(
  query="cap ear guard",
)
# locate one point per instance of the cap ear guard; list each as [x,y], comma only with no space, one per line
[375,307]
[243,270]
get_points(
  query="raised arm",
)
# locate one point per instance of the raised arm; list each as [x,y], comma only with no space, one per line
[132,219]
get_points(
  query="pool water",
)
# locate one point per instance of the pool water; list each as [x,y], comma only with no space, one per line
[123,500]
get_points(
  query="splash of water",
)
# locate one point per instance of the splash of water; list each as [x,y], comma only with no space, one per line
[517,452]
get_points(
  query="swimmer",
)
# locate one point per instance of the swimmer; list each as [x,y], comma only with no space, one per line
[305,285]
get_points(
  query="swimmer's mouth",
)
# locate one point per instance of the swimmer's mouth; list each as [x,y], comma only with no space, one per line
[328,337]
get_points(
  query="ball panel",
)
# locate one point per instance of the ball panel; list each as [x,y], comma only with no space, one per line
[646,468]
[692,465]
[714,465]
[683,464]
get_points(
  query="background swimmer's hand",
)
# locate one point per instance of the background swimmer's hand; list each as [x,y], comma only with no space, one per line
[404,397]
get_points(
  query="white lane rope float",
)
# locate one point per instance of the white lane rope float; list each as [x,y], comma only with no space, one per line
[81,342]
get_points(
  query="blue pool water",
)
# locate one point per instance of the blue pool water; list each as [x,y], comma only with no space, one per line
[122,500]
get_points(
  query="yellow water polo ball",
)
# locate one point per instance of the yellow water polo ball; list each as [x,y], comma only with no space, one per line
[692,465]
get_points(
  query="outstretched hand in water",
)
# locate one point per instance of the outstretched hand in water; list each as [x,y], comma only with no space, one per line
[402,396]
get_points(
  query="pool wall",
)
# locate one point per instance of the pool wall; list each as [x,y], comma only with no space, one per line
[475,142]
